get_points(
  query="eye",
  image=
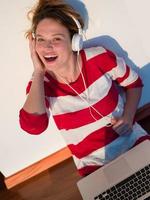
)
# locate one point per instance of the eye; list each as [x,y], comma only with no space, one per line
[57,39]
[39,39]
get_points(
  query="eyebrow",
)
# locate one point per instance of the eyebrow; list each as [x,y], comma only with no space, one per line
[56,34]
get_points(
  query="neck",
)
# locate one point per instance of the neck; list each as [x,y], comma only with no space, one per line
[68,73]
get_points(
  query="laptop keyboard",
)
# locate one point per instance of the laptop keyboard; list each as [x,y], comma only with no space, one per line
[131,188]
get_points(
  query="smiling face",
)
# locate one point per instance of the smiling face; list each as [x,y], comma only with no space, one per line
[53,44]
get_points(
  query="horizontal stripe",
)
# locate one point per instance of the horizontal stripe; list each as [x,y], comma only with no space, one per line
[133,76]
[137,83]
[98,90]
[105,62]
[116,68]
[74,136]
[82,117]
[122,73]
[120,145]
[81,163]
[121,79]
[141,139]
[88,170]
[94,51]
[57,89]
[33,123]
[94,141]
[119,70]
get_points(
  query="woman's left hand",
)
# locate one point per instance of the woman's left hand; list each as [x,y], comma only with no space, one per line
[122,125]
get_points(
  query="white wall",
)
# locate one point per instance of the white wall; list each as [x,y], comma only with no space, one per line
[17,148]
[119,25]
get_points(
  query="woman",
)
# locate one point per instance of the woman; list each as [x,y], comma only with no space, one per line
[79,88]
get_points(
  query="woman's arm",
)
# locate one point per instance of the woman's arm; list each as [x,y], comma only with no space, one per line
[35,102]
[133,96]
[33,116]
[126,77]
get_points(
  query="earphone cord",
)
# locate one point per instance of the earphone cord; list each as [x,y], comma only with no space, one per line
[86,90]
[87,93]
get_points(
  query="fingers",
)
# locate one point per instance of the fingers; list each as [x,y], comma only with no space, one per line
[33,52]
[31,43]
[113,121]
[121,127]
[117,122]
[37,63]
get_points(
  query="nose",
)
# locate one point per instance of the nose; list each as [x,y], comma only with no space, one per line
[48,44]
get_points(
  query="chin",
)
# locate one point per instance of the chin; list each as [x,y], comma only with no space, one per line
[49,66]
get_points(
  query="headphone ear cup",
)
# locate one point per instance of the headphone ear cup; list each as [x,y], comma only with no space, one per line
[77,42]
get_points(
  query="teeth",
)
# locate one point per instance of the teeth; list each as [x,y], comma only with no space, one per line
[49,56]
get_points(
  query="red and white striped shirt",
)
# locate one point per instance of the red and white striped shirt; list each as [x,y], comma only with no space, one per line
[91,141]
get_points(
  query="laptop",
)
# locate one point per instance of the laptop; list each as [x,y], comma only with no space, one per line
[125,178]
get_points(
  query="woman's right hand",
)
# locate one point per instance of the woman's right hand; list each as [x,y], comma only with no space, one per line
[38,65]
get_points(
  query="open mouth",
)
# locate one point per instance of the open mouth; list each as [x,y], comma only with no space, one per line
[50,58]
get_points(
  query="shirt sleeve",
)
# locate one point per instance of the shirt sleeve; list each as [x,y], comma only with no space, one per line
[34,123]
[119,71]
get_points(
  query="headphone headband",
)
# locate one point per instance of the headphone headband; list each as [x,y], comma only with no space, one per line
[78,24]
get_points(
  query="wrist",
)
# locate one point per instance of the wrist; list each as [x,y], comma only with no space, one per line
[129,116]
[39,73]
[38,76]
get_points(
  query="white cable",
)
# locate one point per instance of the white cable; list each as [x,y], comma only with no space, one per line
[84,34]
[86,90]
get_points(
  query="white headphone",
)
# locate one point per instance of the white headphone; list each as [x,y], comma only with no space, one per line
[77,39]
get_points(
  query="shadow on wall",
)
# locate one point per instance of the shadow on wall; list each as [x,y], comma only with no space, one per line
[81,8]
[144,71]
